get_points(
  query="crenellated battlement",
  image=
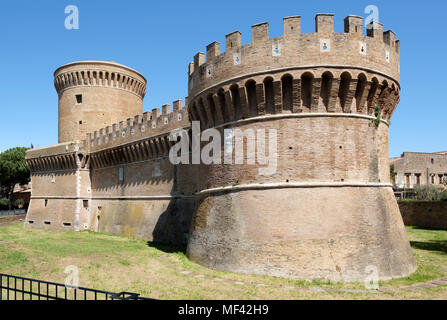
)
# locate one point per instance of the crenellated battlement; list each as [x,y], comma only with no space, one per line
[100,74]
[148,124]
[377,51]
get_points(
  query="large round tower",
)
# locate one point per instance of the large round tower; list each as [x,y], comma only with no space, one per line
[95,94]
[327,210]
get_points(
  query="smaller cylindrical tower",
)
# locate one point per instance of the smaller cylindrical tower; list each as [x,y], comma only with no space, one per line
[95,94]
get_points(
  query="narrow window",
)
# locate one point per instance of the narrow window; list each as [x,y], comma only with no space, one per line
[222,101]
[251,95]
[344,90]
[194,113]
[201,107]
[212,109]
[372,92]
[418,179]
[85,202]
[326,85]
[79,98]
[306,90]
[361,84]
[287,98]
[121,174]
[269,97]
[46,202]
[157,170]
[236,102]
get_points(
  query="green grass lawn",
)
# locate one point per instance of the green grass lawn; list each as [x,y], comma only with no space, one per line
[115,263]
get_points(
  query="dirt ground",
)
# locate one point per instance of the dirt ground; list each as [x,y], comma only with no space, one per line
[6,220]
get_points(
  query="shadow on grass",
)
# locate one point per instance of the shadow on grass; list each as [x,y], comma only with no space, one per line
[428,228]
[431,245]
[167,248]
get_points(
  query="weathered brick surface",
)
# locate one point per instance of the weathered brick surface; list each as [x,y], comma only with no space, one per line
[153,202]
[160,221]
[110,93]
[424,214]
[326,212]
[312,150]
[306,232]
[318,233]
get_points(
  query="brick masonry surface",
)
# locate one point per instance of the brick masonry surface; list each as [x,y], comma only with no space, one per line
[328,210]
[424,214]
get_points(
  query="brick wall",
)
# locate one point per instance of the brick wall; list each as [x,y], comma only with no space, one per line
[424,214]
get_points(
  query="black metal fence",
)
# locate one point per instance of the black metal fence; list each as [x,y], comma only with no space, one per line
[19,288]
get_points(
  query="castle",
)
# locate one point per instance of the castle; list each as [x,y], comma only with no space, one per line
[328,211]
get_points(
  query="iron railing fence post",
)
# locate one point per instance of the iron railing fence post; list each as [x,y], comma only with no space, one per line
[16,284]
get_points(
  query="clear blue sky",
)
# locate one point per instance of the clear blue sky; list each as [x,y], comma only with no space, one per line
[160,38]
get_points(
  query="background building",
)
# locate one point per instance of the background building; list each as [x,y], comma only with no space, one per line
[417,168]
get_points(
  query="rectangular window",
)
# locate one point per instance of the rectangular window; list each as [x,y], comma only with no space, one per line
[79,98]
[418,179]
[157,170]
[121,174]
[85,202]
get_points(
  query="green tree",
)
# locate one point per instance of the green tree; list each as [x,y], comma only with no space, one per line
[13,170]
[393,173]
